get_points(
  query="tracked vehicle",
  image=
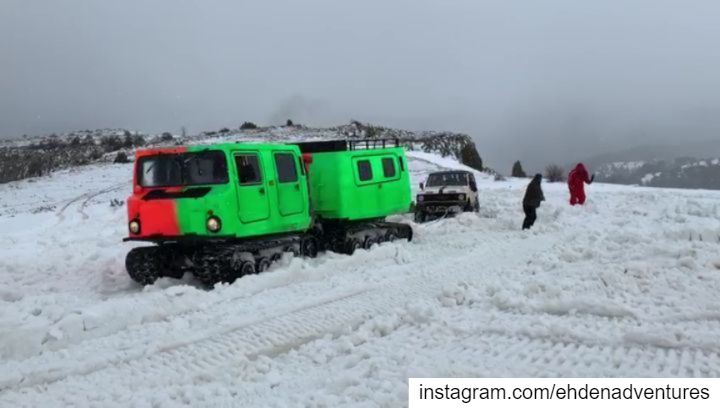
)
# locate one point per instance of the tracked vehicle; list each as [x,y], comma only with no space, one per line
[227,210]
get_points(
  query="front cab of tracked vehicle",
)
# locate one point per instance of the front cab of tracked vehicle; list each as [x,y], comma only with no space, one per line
[225,191]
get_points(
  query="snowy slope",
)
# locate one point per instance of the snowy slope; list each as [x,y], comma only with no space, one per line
[680,173]
[625,286]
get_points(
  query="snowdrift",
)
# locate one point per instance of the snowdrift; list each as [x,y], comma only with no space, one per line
[624,286]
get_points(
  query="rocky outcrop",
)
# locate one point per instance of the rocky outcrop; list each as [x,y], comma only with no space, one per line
[21,159]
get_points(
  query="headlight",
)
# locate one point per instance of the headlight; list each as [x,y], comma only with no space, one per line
[134,226]
[213,224]
[420,198]
[461,197]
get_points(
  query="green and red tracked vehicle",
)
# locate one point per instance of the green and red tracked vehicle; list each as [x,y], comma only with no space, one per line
[227,210]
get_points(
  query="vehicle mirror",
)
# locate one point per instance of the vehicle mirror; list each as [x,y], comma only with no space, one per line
[473,186]
[422,186]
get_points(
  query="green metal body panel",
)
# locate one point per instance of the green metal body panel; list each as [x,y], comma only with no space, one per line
[339,192]
[265,207]
[268,191]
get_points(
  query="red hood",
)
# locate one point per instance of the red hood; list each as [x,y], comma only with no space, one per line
[580,167]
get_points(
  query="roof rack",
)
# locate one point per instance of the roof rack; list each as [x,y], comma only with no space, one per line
[345,145]
[373,144]
[321,147]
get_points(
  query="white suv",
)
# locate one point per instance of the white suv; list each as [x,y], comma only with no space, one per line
[446,192]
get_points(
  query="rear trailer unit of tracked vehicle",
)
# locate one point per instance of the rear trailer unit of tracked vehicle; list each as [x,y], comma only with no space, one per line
[223,211]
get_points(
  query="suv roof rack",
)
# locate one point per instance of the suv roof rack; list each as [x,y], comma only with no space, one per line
[345,145]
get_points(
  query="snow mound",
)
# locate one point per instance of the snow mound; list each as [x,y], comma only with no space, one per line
[624,286]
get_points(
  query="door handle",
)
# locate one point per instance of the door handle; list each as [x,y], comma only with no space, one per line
[297,186]
[261,191]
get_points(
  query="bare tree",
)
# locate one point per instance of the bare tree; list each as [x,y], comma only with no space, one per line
[554,172]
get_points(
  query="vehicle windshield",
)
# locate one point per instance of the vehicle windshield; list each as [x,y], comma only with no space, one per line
[447,179]
[183,169]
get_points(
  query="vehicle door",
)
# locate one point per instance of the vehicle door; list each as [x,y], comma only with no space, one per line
[390,174]
[252,195]
[473,189]
[289,192]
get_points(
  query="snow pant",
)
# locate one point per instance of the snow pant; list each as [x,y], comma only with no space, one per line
[530,216]
[577,196]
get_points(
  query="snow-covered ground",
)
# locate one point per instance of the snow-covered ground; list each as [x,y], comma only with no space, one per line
[628,285]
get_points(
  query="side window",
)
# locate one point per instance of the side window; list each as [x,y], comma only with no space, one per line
[248,168]
[388,164]
[364,170]
[285,164]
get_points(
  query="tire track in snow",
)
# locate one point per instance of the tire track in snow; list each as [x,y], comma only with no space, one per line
[270,335]
[576,358]
[232,355]
[472,353]
[210,308]
[459,250]
[86,197]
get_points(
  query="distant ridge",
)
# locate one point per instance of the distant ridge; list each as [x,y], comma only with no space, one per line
[37,156]
[684,165]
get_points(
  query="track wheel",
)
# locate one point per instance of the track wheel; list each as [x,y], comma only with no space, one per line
[241,269]
[262,264]
[339,246]
[293,249]
[390,236]
[369,242]
[144,265]
[246,268]
[351,246]
[405,232]
[310,247]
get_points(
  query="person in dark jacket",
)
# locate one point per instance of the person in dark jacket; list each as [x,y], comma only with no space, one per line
[533,197]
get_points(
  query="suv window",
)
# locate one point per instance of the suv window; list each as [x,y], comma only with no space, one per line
[285,163]
[364,170]
[248,168]
[388,165]
[447,179]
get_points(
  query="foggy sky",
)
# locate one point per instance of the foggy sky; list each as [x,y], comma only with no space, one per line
[540,81]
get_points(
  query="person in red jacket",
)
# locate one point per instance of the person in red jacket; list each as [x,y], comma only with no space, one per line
[576,182]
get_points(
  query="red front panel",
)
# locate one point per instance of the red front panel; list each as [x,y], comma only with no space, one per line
[157,217]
